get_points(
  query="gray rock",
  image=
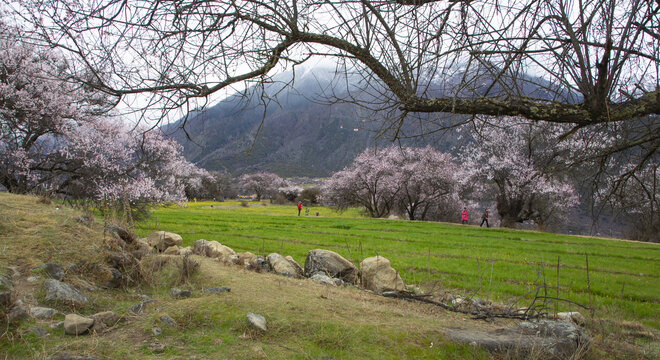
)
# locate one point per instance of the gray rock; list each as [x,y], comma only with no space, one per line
[75,324]
[33,279]
[16,314]
[65,356]
[200,247]
[54,271]
[57,291]
[157,347]
[43,313]
[179,294]
[260,264]
[56,325]
[39,331]
[139,307]
[322,279]
[165,319]
[216,290]
[156,330]
[103,321]
[257,321]
[544,340]
[283,266]
[332,264]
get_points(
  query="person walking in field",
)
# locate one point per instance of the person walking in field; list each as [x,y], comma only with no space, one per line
[464,216]
[484,218]
[299,207]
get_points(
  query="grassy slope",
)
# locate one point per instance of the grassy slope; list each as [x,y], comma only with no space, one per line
[305,320]
[623,276]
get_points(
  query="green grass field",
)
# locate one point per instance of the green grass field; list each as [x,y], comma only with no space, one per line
[624,277]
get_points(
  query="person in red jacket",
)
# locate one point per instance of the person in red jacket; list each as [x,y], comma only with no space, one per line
[464,219]
[299,207]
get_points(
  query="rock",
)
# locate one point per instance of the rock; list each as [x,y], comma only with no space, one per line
[54,271]
[142,246]
[32,279]
[216,290]
[219,251]
[75,324]
[259,264]
[16,314]
[110,278]
[56,325]
[39,331]
[156,330]
[57,291]
[43,313]
[544,340]
[322,279]
[5,299]
[200,247]
[103,321]
[161,240]
[282,266]
[178,293]
[332,264]
[84,285]
[573,316]
[246,258]
[172,250]
[123,234]
[295,264]
[185,251]
[378,275]
[257,321]
[139,307]
[65,356]
[165,319]
[157,347]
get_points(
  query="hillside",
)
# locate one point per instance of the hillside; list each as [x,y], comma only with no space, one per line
[305,320]
[300,135]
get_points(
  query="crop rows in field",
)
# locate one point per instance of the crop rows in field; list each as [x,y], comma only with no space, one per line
[623,276]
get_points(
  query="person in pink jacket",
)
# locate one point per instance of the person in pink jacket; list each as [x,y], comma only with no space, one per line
[464,216]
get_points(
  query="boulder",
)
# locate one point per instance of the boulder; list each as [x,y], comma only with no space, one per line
[282,266]
[75,324]
[179,294]
[200,247]
[103,321]
[139,307]
[295,264]
[172,250]
[16,314]
[378,275]
[57,291]
[216,250]
[542,340]
[108,277]
[216,290]
[185,251]
[39,331]
[166,320]
[259,264]
[257,321]
[43,313]
[246,258]
[161,240]
[322,279]
[54,271]
[332,264]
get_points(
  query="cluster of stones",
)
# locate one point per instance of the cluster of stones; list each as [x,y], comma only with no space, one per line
[321,266]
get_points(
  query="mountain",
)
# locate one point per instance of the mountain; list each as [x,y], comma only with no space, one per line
[299,136]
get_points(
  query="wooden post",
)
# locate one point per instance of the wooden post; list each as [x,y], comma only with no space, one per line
[591,307]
